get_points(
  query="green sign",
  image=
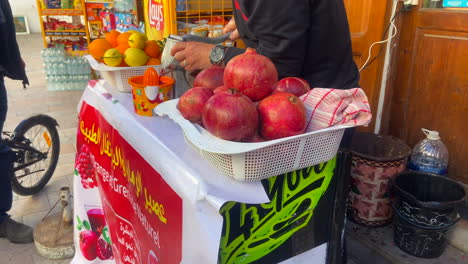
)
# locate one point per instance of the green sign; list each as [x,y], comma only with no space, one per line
[253,231]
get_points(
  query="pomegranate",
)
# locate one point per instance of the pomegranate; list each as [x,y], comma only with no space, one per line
[211,77]
[104,249]
[256,138]
[252,74]
[191,103]
[84,166]
[281,115]
[231,116]
[88,241]
[220,89]
[294,85]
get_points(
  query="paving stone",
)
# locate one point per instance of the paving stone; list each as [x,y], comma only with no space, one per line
[64,169]
[67,158]
[30,205]
[67,148]
[380,241]
[459,236]
[57,182]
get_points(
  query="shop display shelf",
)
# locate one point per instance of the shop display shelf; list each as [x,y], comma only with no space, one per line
[65,33]
[62,12]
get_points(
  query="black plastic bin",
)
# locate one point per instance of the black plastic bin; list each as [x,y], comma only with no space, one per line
[428,199]
[418,240]
[426,209]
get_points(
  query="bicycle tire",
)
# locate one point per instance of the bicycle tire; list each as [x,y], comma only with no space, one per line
[51,126]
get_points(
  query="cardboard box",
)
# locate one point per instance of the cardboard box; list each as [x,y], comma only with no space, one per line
[208,5]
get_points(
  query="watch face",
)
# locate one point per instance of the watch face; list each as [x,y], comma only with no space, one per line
[217,54]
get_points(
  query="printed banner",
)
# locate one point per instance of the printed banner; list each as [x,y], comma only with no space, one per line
[285,227]
[139,219]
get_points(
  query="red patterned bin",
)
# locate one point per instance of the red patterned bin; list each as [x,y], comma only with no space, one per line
[376,159]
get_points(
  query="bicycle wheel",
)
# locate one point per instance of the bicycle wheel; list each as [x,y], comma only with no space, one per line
[37,143]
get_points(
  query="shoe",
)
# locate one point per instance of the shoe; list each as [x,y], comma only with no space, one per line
[16,232]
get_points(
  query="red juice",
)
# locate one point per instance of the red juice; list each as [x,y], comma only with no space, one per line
[96,219]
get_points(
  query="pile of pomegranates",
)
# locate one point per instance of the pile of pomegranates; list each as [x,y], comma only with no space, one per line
[245,102]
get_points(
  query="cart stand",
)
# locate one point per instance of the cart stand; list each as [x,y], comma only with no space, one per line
[149,198]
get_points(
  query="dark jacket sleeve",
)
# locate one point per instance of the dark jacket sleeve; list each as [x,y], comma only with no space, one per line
[277,29]
[10,60]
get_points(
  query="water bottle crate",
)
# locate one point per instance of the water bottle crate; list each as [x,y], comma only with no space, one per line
[66,86]
[62,82]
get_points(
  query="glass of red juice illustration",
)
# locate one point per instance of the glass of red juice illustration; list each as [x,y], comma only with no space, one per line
[96,218]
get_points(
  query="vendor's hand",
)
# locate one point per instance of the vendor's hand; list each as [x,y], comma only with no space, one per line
[192,55]
[231,27]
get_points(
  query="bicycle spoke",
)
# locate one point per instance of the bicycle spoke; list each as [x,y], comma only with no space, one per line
[35,135]
[32,140]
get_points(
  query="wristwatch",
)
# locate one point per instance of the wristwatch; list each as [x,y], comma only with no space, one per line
[217,54]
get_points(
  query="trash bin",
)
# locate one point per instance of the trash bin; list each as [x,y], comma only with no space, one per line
[376,159]
[426,206]
[428,199]
[418,240]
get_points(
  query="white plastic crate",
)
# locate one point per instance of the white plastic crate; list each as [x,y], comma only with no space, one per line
[257,161]
[118,76]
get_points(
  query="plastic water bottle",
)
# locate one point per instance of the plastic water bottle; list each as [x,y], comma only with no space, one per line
[430,154]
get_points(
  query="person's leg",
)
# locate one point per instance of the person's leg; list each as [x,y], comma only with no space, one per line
[5,159]
[15,232]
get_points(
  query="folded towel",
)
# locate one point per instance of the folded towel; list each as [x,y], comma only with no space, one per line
[330,107]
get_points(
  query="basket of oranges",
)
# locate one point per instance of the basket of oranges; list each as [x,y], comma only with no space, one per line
[120,56]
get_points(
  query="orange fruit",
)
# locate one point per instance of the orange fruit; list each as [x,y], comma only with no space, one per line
[122,48]
[111,37]
[123,64]
[123,38]
[98,47]
[152,49]
[153,61]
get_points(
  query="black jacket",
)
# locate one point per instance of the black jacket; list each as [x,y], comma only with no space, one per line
[304,38]
[10,57]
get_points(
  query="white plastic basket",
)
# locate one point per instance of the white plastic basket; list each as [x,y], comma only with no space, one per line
[118,76]
[257,161]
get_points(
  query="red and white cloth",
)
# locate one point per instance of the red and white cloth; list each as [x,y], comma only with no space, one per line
[330,107]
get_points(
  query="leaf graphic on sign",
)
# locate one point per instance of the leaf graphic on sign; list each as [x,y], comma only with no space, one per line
[105,234]
[86,225]
[79,226]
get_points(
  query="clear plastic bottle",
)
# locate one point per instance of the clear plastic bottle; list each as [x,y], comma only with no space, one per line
[430,154]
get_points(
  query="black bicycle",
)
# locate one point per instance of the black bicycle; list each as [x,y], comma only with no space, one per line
[36,145]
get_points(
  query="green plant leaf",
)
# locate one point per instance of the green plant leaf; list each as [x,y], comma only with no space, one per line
[76,172]
[78,220]
[86,225]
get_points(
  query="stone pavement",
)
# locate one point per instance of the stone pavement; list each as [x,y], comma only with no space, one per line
[23,103]
[375,246]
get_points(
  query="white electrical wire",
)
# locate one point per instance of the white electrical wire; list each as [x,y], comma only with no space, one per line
[395,31]
[383,84]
